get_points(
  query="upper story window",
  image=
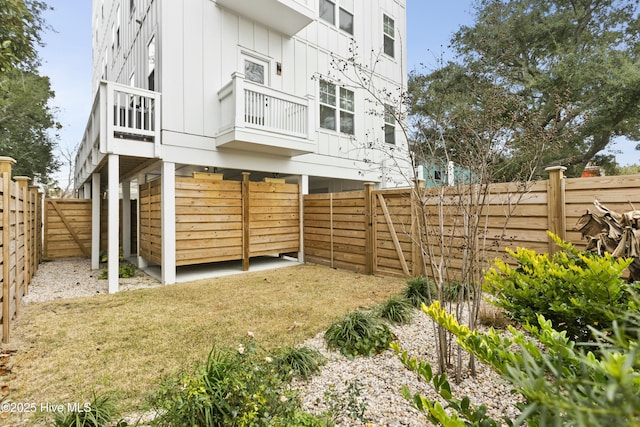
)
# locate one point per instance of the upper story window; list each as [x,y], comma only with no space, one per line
[389,30]
[118,27]
[132,5]
[389,125]
[336,115]
[345,14]
[151,64]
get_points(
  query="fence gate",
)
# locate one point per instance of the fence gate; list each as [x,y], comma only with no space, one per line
[67,228]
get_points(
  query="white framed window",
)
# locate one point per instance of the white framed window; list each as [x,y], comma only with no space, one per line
[389,31]
[151,64]
[118,27]
[389,125]
[327,13]
[256,68]
[336,115]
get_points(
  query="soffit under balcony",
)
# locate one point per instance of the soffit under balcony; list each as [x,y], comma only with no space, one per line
[285,16]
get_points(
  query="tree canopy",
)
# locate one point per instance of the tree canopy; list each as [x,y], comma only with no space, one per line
[26,116]
[21,24]
[552,81]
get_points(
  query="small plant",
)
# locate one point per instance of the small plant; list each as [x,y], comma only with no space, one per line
[299,362]
[348,404]
[98,413]
[235,387]
[420,290]
[358,333]
[125,271]
[397,310]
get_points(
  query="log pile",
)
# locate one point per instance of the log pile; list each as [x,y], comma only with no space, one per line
[612,232]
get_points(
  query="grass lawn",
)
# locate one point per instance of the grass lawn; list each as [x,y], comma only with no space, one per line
[125,343]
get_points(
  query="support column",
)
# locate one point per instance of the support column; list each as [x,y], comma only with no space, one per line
[86,190]
[95,221]
[142,262]
[126,218]
[303,182]
[246,249]
[168,219]
[113,217]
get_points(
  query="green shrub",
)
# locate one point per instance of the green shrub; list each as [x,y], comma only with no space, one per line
[420,290]
[397,310]
[299,362]
[98,413]
[238,387]
[125,271]
[561,383]
[358,333]
[574,290]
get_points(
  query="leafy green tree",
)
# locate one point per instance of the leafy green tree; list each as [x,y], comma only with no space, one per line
[26,121]
[21,24]
[565,72]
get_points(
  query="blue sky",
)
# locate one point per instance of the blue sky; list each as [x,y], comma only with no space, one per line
[66,56]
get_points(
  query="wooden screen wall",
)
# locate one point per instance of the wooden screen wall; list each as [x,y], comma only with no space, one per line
[150,226]
[67,228]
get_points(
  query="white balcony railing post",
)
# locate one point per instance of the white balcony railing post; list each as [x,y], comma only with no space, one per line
[239,98]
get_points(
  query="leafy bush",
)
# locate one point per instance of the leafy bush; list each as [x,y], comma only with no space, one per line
[561,383]
[125,271]
[299,362]
[358,333]
[397,310]
[233,388]
[98,413]
[572,289]
[420,290]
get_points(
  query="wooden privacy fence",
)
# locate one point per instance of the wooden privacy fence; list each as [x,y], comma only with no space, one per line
[20,240]
[384,231]
[67,228]
[221,220]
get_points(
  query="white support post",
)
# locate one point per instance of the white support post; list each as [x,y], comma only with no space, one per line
[303,181]
[142,262]
[126,218]
[86,190]
[168,221]
[95,221]
[113,221]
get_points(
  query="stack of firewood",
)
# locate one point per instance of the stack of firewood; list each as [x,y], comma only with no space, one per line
[612,232]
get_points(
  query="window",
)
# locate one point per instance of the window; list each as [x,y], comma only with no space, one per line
[331,111]
[345,14]
[346,21]
[151,64]
[389,35]
[118,27]
[327,105]
[328,11]
[254,71]
[346,111]
[389,125]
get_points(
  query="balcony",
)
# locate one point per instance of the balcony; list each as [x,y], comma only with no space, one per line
[285,16]
[258,118]
[124,120]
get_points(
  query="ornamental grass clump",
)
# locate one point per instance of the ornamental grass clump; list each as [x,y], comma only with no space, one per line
[397,310]
[235,387]
[420,290]
[299,362]
[359,333]
[97,413]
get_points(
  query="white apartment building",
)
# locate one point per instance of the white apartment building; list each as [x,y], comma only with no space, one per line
[238,86]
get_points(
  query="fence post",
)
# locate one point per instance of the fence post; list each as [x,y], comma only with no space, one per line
[5,173]
[557,218]
[369,240]
[245,221]
[416,238]
[34,257]
[22,186]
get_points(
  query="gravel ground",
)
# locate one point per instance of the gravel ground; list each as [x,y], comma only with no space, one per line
[378,379]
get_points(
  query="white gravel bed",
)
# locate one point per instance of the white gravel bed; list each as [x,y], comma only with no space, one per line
[380,378]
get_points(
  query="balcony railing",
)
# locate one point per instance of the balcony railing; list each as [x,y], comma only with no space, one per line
[258,115]
[124,120]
